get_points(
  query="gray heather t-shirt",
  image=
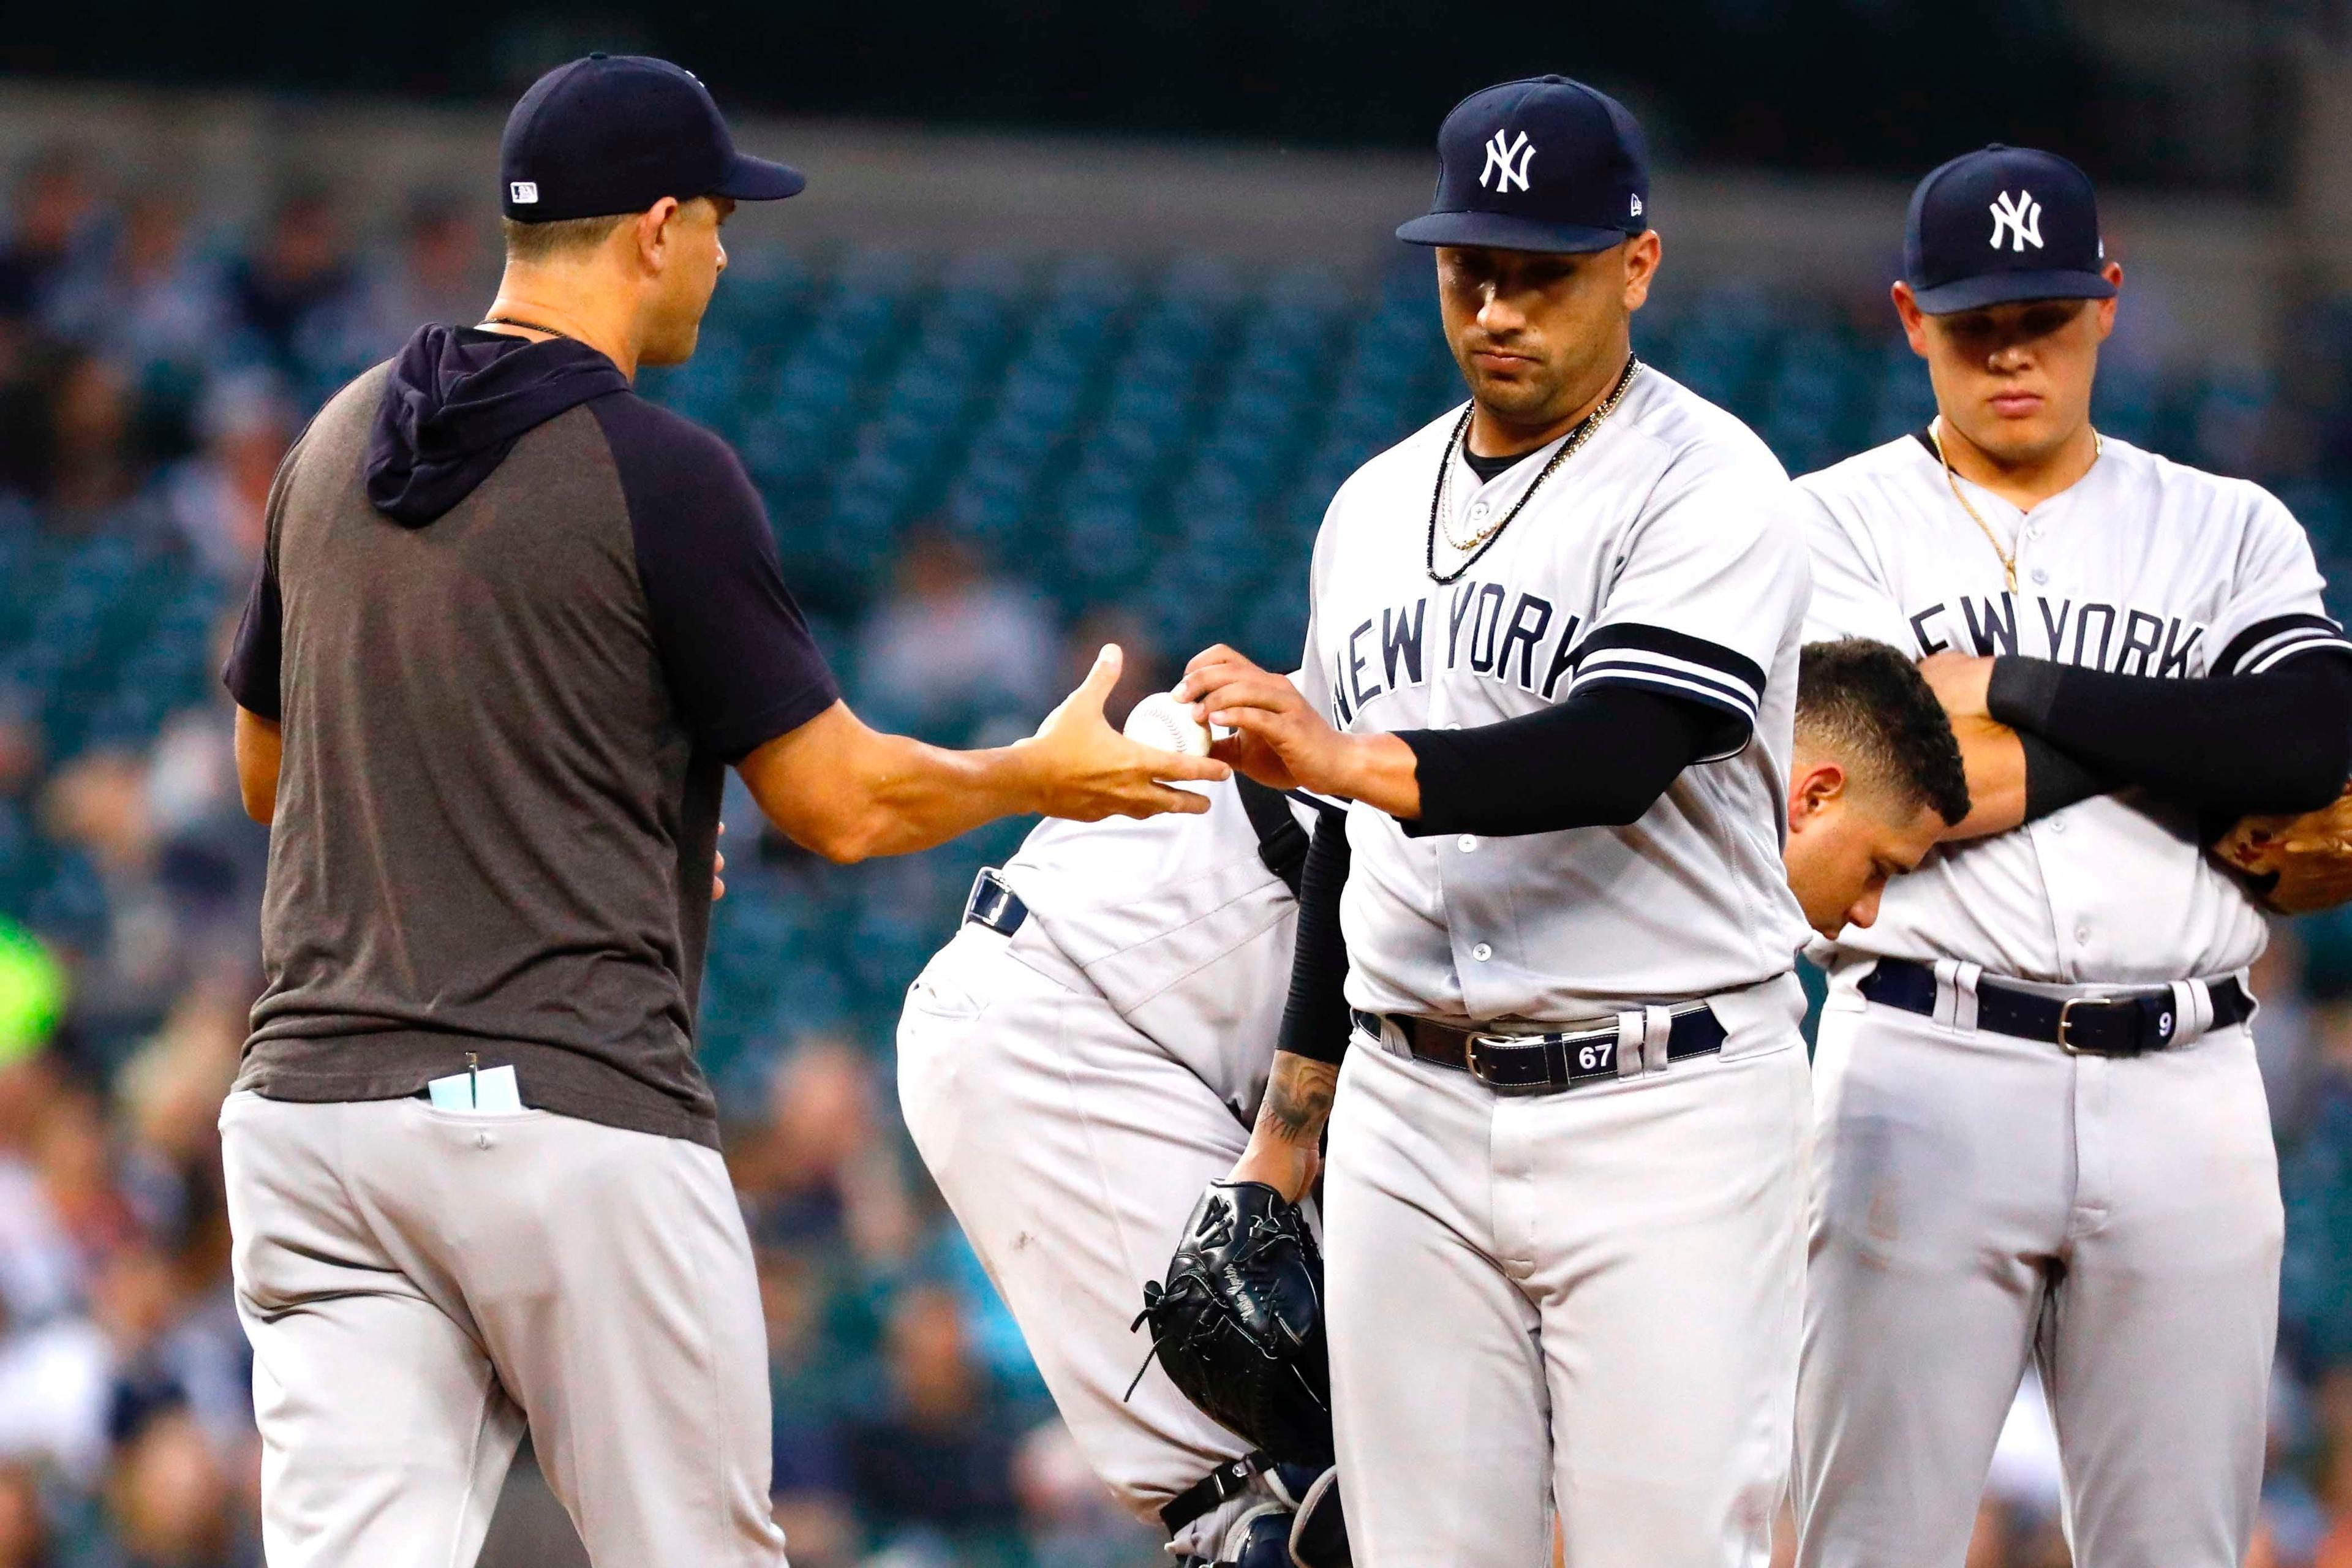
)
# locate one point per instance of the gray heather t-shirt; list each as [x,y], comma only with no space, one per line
[514,621]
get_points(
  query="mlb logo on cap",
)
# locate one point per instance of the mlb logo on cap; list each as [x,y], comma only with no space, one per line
[1544,164]
[2000,226]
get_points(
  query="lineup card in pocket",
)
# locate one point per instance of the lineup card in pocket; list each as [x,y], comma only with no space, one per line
[491,1089]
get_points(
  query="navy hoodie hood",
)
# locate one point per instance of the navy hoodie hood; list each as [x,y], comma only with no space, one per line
[456,400]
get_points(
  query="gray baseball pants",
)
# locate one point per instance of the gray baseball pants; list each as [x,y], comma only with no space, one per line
[1072,1150]
[1978,1199]
[420,1284]
[1589,1297]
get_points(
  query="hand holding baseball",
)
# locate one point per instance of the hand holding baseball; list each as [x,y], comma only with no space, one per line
[1279,740]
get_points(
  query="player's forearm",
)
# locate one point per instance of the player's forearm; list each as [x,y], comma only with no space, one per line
[1285,1146]
[849,793]
[1601,759]
[1380,770]
[259,746]
[910,796]
[2279,741]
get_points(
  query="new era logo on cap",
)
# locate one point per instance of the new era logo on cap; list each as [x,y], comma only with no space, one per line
[523,192]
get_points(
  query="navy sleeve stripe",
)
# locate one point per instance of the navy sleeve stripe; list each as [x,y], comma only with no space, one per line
[1679,649]
[2267,644]
[742,663]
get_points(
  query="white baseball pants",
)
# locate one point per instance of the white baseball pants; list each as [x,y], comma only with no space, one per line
[1980,1199]
[420,1283]
[1588,1297]
[1072,1150]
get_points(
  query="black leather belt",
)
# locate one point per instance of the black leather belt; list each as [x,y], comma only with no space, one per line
[1541,1061]
[994,904]
[2123,1024]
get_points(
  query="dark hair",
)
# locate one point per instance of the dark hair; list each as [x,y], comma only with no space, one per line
[544,241]
[1869,704]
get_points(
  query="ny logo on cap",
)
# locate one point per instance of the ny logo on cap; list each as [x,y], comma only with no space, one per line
[524,192]
[2020,217]
[1508,159]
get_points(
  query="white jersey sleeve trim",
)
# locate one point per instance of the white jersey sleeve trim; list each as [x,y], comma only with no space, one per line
[1678,664]
[2268,644]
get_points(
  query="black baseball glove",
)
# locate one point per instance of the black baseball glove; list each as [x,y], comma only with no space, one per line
[1239,1322]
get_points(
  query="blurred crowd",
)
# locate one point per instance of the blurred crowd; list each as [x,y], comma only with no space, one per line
[154,364]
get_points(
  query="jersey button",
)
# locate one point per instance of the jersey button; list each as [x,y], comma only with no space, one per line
[1467,843]
[1482,953]
[2082,933]
[1478,511]
[2057,825]
[2041,574]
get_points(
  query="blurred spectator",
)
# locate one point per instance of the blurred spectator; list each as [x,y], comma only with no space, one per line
[823,1173]
[937,1456]
[293,295]
[91,465]
[155,302]
[170,1499]
[951,641]
[219,498]
[1069,1517]
[99,803]
[445,271]
[55,217]
[24,1520]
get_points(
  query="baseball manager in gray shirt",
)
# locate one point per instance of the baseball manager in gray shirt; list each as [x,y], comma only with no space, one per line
[511,625]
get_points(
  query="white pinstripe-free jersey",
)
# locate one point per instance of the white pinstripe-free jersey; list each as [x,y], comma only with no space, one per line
[2143,567]
[1660,555]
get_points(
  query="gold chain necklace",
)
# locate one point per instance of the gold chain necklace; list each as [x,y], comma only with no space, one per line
[2008,557]
[1440,500]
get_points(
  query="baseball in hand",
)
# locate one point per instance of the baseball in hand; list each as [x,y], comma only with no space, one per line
[1161,722]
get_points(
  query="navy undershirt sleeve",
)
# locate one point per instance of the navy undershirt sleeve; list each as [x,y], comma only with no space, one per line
[1316,1022]
[2279,741]
[1602,758]
[737,649]
[251,674]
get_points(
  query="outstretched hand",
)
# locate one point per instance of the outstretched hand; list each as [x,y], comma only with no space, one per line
[1085,770]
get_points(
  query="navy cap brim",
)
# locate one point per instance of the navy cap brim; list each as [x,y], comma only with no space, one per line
[2010,289]
[751,179]
[1501,231]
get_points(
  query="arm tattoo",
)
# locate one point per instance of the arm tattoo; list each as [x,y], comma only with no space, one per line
[1298,1098]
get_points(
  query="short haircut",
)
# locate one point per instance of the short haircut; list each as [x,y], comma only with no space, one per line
[1868,704]
[545,241]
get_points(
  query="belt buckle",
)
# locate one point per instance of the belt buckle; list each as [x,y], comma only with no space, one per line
[2067,1016]
[1470,1040]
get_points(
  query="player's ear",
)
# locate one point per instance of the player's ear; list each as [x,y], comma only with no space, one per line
[1812,791]
[1914,320]
[653,233]
[1641,253]
[2114,273]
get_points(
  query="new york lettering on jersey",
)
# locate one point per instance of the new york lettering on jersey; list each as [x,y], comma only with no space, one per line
[2144,567]
[1655,556]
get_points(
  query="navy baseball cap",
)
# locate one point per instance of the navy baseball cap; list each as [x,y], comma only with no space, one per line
[615,134]
[1541,164]
[2002,225]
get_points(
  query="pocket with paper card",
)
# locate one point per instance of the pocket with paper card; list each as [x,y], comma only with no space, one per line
[488,1091]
